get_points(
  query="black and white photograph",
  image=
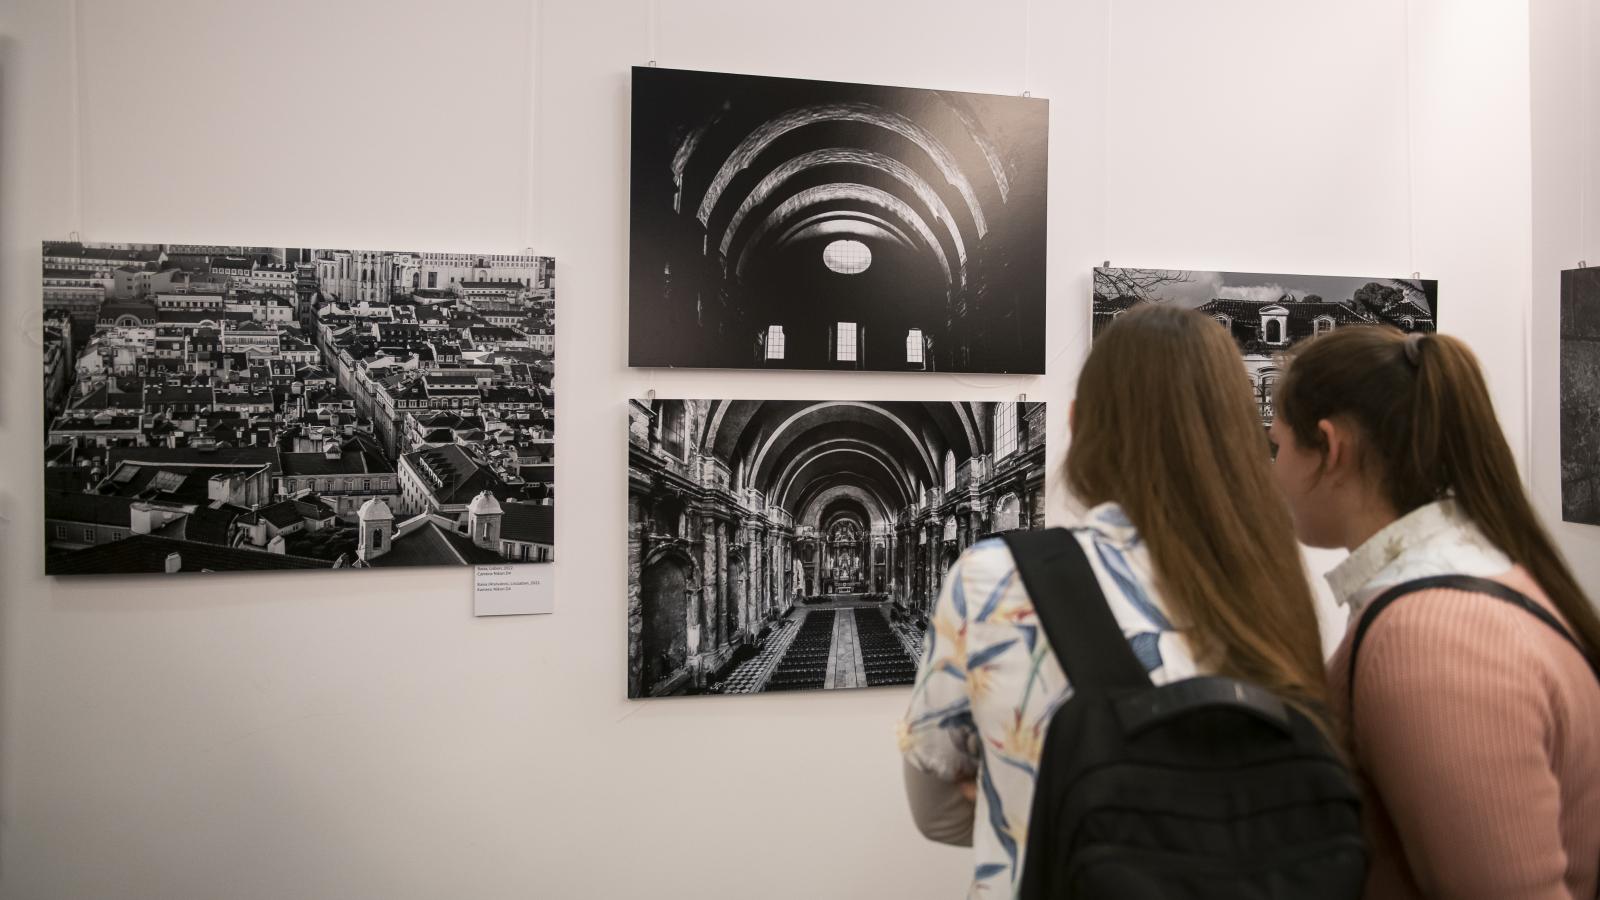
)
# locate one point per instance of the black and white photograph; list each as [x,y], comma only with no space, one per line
[787,545]
[215,408]
[795,224]
[1267,314]
[1580,396]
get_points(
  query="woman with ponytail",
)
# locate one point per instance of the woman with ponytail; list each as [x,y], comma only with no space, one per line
[1473,712]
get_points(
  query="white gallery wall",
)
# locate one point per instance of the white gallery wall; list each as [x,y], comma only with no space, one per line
[302,735]
[1566,230]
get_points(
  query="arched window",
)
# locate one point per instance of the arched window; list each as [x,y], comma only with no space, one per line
[949,471]
[1007,513]
[1407,323]
[1322,325]
[1266,383]
[914,347]
[1005,429]
[775,342]
[1224,320]
[1272,331]
[672,426]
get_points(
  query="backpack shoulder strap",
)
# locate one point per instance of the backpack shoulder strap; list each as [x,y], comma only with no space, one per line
[1467,583]
[1072,610]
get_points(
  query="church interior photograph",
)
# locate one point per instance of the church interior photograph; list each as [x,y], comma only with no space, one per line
[799,545]
[793,224]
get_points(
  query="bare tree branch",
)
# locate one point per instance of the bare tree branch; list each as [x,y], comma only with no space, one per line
[1137,284]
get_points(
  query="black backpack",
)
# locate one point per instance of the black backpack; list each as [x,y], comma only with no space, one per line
[1202,788]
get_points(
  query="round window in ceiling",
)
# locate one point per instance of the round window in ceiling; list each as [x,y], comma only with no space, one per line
[847,257]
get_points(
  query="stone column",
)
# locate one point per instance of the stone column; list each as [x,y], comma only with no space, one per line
[710,583]
[724,589]
[635,606]
[754,577]
[772,567]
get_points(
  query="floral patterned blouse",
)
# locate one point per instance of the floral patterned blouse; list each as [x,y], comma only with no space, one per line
[988,682]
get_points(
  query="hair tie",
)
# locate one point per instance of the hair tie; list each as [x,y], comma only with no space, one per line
[1414,347]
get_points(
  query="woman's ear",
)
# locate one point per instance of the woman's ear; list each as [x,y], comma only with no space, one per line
[1340,453]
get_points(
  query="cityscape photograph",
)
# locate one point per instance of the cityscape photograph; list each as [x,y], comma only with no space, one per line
[228,408]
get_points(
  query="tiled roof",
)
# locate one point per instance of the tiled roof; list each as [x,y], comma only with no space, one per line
[90,251]
[528,522]
[88,508]
[96,423]
[180,315]
[157,394]
[241,457]
[350,462]
[461,477]
[492,285]
[496,333]
[429,544]
[204,524]
[148,553]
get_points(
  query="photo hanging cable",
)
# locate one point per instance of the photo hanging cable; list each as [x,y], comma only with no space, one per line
[1411,170]
[1027,46]
[533,155]
[31,318]
[1586,177]
[654,26]
[75,12]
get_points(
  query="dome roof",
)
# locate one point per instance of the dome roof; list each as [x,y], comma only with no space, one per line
[375,509]
[485,505]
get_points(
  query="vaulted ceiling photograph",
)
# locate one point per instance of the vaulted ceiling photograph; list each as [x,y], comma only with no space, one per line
[799,224]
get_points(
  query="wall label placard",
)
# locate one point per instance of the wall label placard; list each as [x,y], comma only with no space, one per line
[507,590]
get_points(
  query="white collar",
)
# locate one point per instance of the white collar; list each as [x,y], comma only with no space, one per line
[1436,539]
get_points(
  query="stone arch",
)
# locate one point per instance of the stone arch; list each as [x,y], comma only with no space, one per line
[879,199]
[756,143]
[1007,513]
[887,165]
[666,582]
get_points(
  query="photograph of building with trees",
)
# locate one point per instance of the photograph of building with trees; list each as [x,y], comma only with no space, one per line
[1267,314]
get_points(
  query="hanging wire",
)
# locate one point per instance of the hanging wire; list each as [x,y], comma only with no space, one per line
[533,157]
[1027,47]
[1586,177]
[1411,170]
[655,29]
[75,14]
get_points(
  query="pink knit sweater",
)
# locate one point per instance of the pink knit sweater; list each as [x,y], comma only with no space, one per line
[1477,732]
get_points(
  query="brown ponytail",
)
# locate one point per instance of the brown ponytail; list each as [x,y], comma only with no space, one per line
[1420,403]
